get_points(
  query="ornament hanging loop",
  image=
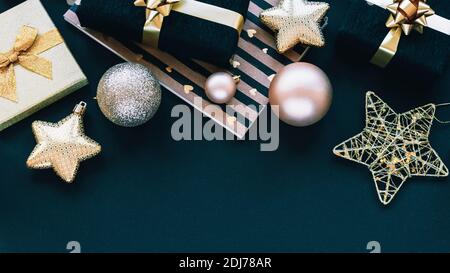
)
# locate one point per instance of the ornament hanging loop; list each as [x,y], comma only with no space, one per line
[80,108]
[442,121]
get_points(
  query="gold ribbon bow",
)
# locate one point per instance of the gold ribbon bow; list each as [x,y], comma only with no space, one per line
[406,16]
[156,10]
[24,52]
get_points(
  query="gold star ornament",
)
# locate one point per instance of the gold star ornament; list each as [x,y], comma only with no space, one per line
[394,146]
[63,145]
[296,21]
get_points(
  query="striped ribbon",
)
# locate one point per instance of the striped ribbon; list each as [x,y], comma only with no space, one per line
[257,57]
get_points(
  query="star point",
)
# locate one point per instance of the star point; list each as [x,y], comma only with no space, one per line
[394,146]
[61,146]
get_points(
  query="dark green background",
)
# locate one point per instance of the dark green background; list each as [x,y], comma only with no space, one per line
[146,192]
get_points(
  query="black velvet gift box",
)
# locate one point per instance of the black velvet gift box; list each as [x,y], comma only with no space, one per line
[181,35]
[363,29]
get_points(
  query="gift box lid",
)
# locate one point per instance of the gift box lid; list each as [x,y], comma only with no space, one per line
[33,90]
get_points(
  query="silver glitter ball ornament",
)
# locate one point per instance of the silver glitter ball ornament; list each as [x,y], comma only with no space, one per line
[128,94]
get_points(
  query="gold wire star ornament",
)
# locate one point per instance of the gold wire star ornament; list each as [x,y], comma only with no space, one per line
[63,145]
[394,146]
[296,21]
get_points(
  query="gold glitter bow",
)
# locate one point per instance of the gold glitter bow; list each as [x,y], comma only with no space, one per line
[24,52]
[156,10]
[406,16]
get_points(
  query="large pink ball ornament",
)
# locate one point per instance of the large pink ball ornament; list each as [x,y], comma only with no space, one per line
[302,92]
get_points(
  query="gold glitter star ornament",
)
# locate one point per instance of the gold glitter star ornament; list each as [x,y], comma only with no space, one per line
[63,145]
[394,146]
[296,21]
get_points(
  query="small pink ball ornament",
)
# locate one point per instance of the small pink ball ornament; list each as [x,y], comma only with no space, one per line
[302,92]
[220,87]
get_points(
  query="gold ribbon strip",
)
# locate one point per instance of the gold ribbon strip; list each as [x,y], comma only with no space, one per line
[24,52]
[406,16]
[156,10]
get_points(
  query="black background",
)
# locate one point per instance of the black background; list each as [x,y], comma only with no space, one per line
[147,192]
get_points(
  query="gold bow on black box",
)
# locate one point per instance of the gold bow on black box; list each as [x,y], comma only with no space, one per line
[406,16]
[156,10]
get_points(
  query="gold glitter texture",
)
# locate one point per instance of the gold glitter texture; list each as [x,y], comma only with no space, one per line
[394,146]
[296,21]
[63,145]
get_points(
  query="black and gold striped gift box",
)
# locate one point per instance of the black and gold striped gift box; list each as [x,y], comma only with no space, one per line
[256,61]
